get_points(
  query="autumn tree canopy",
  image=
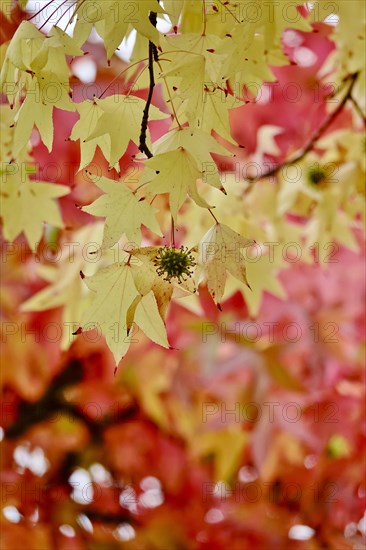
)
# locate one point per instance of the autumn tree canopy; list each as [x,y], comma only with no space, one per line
[182,206]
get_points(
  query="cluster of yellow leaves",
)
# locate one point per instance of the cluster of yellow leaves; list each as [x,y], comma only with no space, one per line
[124,293]
[35,66]
[26,204]
[349,20]
[66,288]
[220,48]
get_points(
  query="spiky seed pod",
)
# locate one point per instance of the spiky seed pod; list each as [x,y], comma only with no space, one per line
[174,263]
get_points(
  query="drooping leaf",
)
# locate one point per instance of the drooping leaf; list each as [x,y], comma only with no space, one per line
[124,212]
[177,175]
[115,291]
[219,252]
[121,121]
[26,205]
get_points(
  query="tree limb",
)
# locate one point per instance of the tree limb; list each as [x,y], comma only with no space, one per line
[315,137]
[153,56]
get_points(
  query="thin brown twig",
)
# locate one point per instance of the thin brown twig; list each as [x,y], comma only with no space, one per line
[53,13]
[120,74]
[315,137]
[79,5]
[358,109]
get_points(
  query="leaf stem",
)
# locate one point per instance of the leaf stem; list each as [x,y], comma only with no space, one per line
[172,236]
[213,215]
[204,15]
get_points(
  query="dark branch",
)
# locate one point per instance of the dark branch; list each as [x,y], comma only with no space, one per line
[52,405]
[153,56]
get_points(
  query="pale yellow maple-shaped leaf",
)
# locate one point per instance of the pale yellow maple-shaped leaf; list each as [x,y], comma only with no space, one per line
[89,112]
[147,317]
[190,71]
[45,92]
[25,206]
[89,13]
[176,174]
[193,44]
[115,291]
[215,113]
[20,52]
[121,121]
[330,223]
[34,111]
[199,144]
[124,212]
[348,22]
[112,20]
[218,20]
[45,87]
[189,74]
[24,161]
[118,302]
[51,57]
[263,273]
[23,47]
[219,252]
[173,9]
[246,61]
[66,288]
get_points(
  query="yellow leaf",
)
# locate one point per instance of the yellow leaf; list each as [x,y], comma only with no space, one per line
[66,287]
[115,291]
[219,251]
[121,120]
[177,174]
[90,112]
[124,212]
[25,206]
[199,144]
[148,318]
